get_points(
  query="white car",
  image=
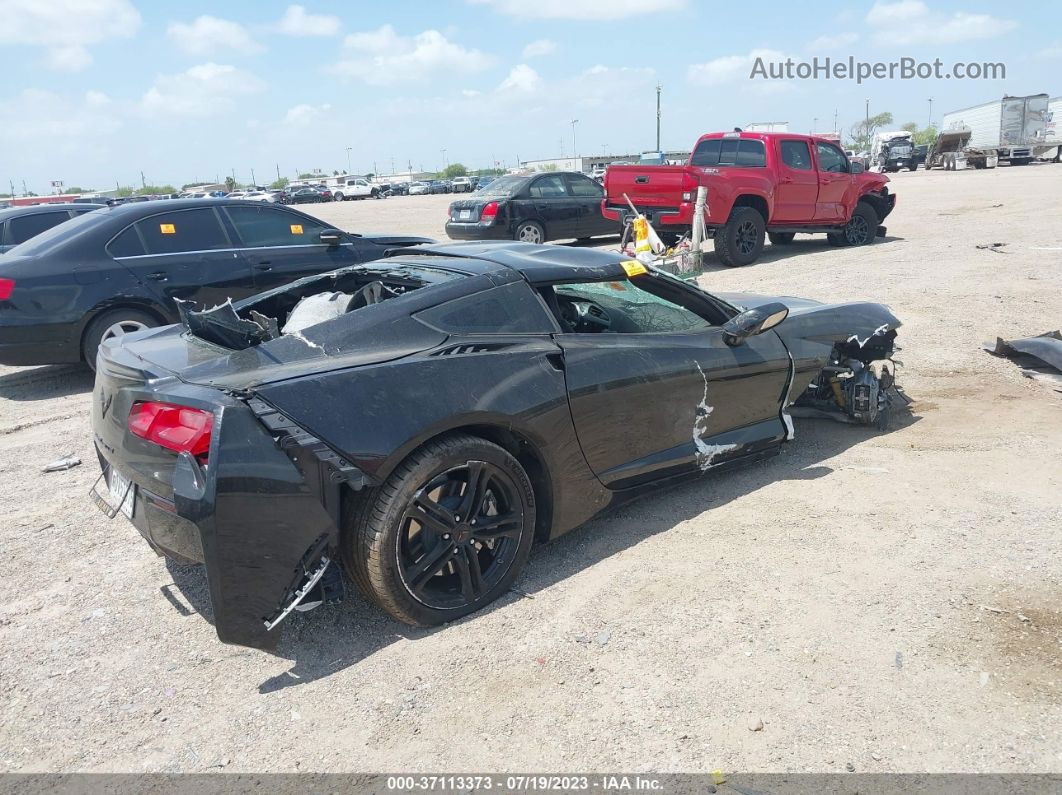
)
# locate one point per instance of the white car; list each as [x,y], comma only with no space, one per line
[257,196]
[419,188]
[462,185]
[356,188]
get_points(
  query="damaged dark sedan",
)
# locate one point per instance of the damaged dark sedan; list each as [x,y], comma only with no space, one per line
[421,420]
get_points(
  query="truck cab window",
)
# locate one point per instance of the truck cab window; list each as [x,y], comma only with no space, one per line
[795,155]
[831,158]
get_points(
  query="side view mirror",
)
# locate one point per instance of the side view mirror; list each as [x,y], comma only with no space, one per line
[331,237]
[753,321]
[857,168]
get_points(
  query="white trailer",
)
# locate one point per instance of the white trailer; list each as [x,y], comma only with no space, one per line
[1008,129]
[767,126]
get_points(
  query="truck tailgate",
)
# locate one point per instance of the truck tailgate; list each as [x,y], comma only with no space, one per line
[647,186]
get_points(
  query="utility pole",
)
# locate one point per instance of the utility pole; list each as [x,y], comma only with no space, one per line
[143,182]
[575,149]
[930,123]
[278,172]
[866,128]
[658,117]
[444,158]
[814,124]
[348,159]
[392,165]
[375,173]
[253,180]
[835,121]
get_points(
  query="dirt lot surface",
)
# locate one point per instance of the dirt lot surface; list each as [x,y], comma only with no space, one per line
[891,600]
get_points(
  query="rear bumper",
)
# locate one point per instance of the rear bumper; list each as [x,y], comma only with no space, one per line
[657,216]
[258,514]
[476,231]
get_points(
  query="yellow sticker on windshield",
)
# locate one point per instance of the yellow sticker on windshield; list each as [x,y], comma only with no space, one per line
[296,229]
[633,268]
[167,229]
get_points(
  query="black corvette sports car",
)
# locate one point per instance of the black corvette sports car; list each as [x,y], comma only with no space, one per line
[422,419]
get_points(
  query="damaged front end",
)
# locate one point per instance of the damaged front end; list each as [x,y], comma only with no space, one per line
[858,383]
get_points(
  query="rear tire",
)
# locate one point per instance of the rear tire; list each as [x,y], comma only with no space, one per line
[338,197]
[781,238]
[426,574]
[109,325]
[530,232]
[740,241]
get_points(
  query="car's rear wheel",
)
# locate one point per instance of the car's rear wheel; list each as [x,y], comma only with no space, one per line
[110,325]
[530,232]
[781,238]
[446,534]
[740,241]
[338,196]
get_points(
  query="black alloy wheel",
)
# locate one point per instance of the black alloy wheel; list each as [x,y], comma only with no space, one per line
[459,535]
[862,227]
[445,534]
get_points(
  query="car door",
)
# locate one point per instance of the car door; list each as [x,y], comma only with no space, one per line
[282,245]
[666,394]
[587,195]
[550,202]
[797,192]
[833,182]
[184,254]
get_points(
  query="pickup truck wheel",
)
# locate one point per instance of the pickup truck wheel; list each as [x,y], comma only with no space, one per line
[781,238]
[338,197]
[862,226]
[530,232]
[740,241]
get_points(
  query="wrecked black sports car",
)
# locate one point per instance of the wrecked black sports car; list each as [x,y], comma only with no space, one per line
[420,420]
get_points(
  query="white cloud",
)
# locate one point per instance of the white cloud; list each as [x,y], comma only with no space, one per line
[202,90]
[906,22]
[581,9]
[42,116]
[382,57]
[296,22]
[209,35]
[1053,50]
[304,114]
[833,43]
[521,78]
[66,27]
[539,48]
[729,68]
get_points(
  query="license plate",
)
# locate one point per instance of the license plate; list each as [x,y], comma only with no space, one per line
[464,215]
[122,491]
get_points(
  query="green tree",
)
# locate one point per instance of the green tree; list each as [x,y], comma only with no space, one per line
[307,175]
[230,184]
[861,134]
[454,170]
[547,167]
[75,190]
[149,190]
[921,137]
[126,191]
[278,184]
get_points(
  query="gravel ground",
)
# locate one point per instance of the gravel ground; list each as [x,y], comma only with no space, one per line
[889,601]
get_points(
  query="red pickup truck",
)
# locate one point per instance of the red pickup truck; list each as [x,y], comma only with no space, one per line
[774,183]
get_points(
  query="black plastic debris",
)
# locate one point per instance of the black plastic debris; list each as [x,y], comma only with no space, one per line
[1039,357]
[222,326]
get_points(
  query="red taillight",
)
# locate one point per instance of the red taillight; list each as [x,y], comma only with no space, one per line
[489,212]
[178,428]
[6,287]
[450,213]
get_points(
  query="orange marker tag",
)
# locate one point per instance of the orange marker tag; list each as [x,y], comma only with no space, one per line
[167,229]
[296,229]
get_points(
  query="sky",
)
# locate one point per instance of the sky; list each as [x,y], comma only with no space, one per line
[94,92]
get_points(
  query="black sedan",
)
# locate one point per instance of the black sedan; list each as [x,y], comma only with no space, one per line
[554,206]
[425,417]
[305,196]
[19,224]
[119,269]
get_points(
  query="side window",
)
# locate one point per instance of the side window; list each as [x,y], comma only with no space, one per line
[510,309]
[584,187]
[126,244]
[548,187]
[19,230]
[831,158]
[706,153]
[629,309]
[750,154]
[265,226]
[795,155]
[187,230]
